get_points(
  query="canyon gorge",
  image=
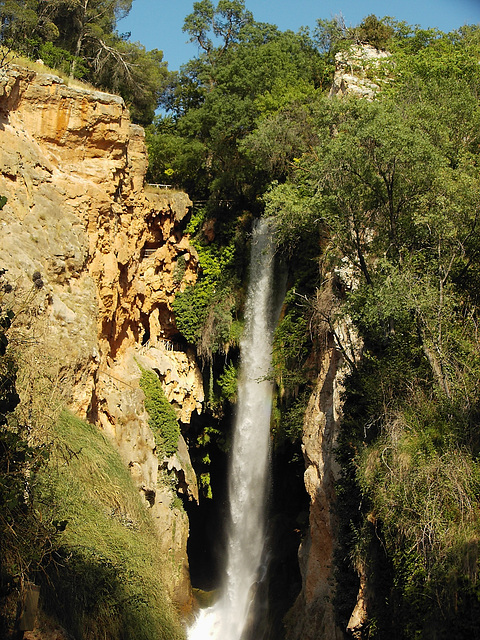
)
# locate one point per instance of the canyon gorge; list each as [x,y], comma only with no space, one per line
[106,245]
[128,327]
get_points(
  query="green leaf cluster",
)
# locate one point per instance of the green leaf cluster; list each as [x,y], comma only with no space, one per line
[205,313]
[290,348]
[228,382]
[162,418]
[216,99]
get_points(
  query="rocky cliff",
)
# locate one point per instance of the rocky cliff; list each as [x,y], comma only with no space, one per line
[110,255]
[313,614]
[360,71]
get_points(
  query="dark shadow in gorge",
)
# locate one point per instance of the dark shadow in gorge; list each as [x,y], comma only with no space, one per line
[206,542]
[280,579]
[281,583]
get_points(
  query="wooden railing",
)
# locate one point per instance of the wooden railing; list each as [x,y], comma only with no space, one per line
[149,251]
[167,345]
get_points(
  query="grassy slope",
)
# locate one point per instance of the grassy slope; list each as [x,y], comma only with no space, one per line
[106,578]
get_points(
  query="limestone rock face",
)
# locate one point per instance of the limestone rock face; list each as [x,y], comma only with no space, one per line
[121,413]
[180,376]
[312,616]
[357,71]
[313,611]
[111,256]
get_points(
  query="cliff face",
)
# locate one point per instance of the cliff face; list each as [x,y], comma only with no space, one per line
[313,613]
[359,71]
[72,168]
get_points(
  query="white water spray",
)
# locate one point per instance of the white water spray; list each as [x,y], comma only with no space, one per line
[227,619]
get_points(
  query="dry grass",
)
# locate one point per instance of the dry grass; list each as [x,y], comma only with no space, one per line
[11,58]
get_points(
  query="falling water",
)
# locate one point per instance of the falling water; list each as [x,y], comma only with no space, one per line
[227,619]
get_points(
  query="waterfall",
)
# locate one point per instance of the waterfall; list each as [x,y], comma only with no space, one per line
[249,464]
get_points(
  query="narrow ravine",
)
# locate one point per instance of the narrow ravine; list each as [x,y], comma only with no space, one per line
[249,465]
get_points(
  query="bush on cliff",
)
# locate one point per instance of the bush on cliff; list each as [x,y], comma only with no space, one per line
[162,418]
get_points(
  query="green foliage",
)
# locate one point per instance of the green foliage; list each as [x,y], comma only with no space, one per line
[224,22]
[179,269]
[330,35]
[205,313]
[190,307]
[292,212]
[375,32]
[205,485]
[136,74]
[61,59]
[216,99]
[288,420]
[22,25]
[283,128]
[71,519]
[204,317]
[162,418]
[169,152]
[424,491]
[107,559]
[228,382]
[290,350]
[390,188]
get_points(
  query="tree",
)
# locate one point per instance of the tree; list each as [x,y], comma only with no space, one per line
[224,22]
[218,105]
[85,25]
[136,74]
[375,32]
[24,24]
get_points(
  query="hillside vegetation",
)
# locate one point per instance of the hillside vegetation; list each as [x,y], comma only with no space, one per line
[377,208]
[376,204]
[72,520]
[106,578]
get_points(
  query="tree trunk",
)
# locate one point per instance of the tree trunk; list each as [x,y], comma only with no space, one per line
[436,367]
[81,34]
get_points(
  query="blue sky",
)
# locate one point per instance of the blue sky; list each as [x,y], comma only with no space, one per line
[157,24]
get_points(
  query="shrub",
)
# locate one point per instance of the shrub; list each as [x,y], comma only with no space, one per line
[228,382]
[374,32]
[163,420]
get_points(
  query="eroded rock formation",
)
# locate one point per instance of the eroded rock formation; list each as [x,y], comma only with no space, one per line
[111,256]
[313,613]
[359,71]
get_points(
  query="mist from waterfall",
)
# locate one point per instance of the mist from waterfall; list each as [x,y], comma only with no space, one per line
[249,464]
